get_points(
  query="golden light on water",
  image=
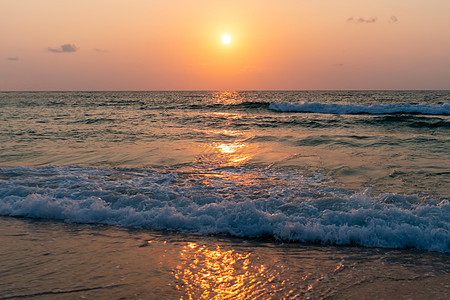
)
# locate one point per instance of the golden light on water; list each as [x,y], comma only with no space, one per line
[233,154]
[224,132]
[228,97]
[220,274]
[230,148]
[227,116]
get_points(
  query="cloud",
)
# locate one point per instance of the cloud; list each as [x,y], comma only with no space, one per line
[64,48]
[337,65]
[361,20]
[12,58]
[393,19]
[100,50]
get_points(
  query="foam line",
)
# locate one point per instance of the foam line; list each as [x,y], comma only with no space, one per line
[324,108]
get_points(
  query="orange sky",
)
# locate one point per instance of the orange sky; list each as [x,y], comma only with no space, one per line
[176,45]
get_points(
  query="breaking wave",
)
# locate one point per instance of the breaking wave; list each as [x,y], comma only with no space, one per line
[232,201]
[378,109]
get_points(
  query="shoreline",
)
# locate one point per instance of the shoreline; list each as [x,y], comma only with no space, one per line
[44,259]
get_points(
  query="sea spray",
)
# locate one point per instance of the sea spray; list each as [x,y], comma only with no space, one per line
[298,208]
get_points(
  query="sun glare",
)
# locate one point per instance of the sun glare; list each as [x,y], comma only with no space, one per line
[226,39]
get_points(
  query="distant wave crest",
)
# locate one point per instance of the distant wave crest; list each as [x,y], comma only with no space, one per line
[238,105]
[378,109]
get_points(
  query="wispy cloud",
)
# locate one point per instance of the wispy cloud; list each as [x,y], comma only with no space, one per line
[393,19]
[100,50]
[337,65]
[12,58]
[64,48]
[361,20]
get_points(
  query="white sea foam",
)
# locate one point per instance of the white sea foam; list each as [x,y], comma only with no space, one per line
[325,108]
[235,201]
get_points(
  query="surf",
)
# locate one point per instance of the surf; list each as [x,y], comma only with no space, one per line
[236,201]
[346,109]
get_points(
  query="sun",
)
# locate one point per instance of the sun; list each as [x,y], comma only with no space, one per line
[226,39]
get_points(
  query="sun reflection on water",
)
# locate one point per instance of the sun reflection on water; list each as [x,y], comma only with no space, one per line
[227,116]
[230,148]
[225,153]
[223,274]
[223,132]
[228,97]
[234,153]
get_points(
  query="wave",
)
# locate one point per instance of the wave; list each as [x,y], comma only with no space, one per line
[409,121]
[378,109]
[232,201]
[247,105]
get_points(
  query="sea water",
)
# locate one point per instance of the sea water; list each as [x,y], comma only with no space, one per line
[352,168]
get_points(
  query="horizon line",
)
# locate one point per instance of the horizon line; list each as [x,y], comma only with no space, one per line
[220,90]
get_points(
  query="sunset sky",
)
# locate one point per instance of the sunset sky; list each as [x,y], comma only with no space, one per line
[177,44]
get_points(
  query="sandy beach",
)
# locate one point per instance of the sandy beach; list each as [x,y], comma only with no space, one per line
[52,260]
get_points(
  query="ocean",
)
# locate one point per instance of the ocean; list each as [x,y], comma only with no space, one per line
[234,194]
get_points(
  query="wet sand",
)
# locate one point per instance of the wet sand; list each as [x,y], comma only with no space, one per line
[52,260]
